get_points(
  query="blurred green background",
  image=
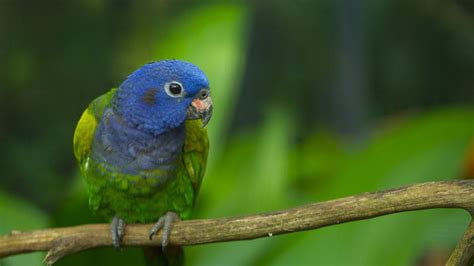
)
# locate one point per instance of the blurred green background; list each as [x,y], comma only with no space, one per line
[314,100]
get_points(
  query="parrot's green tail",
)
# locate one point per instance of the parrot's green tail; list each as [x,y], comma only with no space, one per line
[173,256]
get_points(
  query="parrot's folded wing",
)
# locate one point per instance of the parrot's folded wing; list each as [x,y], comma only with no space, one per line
[196,147]
[85,130]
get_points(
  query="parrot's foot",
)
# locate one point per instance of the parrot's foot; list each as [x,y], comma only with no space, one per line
[165,222]
[117,228]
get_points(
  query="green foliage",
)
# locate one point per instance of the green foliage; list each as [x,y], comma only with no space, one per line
[17,214]
[423,148]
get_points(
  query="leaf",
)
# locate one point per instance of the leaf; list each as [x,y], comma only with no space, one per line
[19,215]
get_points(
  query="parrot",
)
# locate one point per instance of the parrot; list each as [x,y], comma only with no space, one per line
[142,148]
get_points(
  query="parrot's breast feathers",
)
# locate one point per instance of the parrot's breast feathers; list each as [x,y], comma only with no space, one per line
[129,150]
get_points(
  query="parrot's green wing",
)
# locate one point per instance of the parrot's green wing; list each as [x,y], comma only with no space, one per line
[196,147]
[85,130]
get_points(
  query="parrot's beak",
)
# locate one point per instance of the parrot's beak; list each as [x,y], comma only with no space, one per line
[201,107]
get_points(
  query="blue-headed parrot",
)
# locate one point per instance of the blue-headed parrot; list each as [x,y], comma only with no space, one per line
[142,147]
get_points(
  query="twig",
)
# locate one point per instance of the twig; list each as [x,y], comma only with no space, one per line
[60,242]
[464,251]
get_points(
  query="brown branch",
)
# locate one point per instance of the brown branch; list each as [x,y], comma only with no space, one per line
[464,251]
[60,242]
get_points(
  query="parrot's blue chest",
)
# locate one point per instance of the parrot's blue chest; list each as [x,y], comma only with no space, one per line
[119,147]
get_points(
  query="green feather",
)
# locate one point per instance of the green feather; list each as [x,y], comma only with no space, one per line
[85,130]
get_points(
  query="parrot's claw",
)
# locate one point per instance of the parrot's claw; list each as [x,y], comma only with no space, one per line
[117,228]
[165,222]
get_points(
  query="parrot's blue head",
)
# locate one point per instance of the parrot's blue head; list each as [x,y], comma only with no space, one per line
[161,95]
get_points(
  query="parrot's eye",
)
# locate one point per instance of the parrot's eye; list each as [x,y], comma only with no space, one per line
[174,89]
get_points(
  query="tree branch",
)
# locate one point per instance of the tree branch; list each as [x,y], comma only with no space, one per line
[464,251]
[60,242]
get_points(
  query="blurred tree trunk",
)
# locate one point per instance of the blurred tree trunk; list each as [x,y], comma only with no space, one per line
[349,95]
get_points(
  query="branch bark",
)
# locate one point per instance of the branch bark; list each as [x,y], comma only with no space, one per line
[464,251]
[60,242]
